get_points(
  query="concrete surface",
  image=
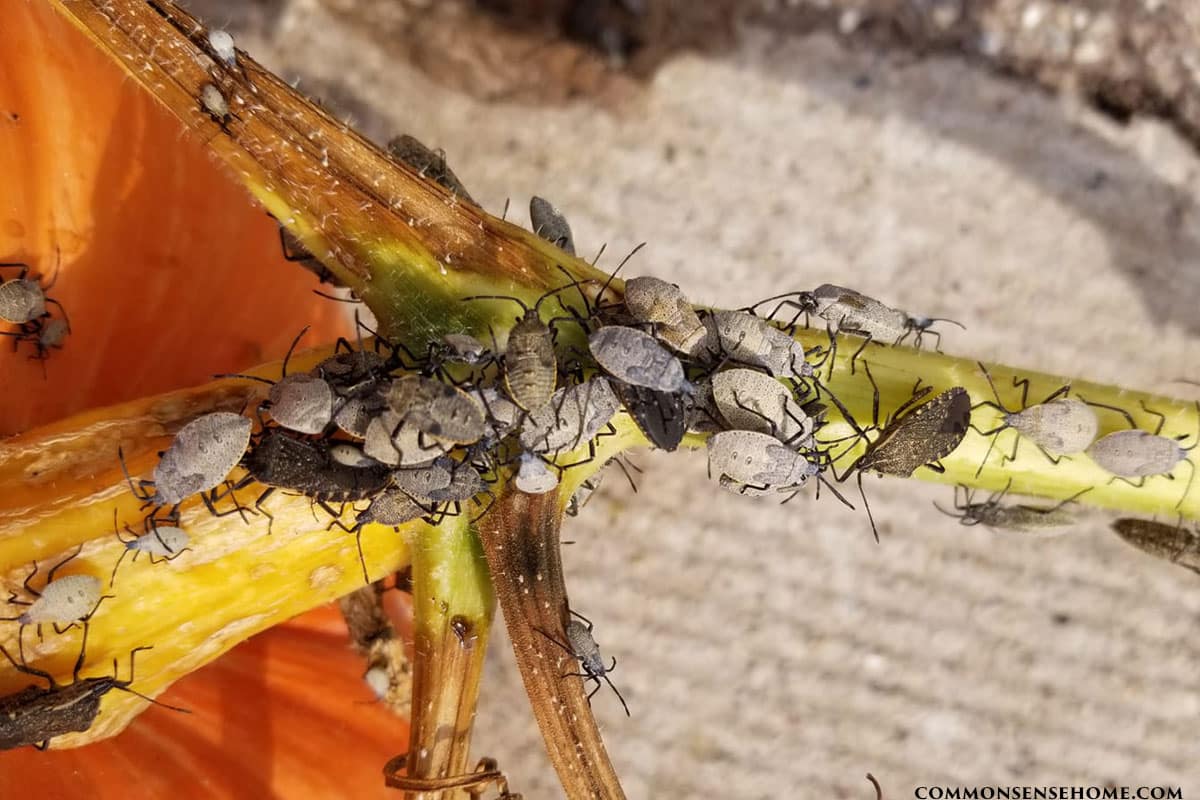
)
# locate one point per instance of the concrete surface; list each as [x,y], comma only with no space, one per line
[770,650]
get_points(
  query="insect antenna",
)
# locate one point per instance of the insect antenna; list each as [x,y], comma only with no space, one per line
[613,686]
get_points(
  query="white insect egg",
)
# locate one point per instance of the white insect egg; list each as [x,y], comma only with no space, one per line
[222,44]
[214,102]
[377,679]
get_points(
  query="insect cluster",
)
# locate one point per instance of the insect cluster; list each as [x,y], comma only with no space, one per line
[24,304]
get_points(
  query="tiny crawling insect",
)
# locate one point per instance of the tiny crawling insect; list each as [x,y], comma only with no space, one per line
[427,163]
[23,303]
[655,302]
[1174,543]
[550,224]
[1058,425]
[530,365]
[582,645]
[199,459]
[486,773]
[747,339]
[572,418]
[71,599]
[757,460]
[222,46]
[661,416]
[634,357]
[390,440]
[35,715]
[1141,454]
[750,400]
[390,507]
[849,312]
[164,542]
[300,402]
[920,437]
[444,412]
[22,299]
[993,514]
[419,482]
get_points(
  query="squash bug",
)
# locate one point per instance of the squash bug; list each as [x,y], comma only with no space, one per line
[582,645]
[992,513]
[1174,543]
[35,715]
[1058,425]
[71,600]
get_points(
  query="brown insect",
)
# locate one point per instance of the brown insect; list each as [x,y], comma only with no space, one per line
[919,438]
[34,716]
[1174,543]
[530,365]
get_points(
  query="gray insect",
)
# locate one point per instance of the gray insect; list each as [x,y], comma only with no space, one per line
[854,313]
[444,412]
[919,438]
[572,418]
[390,440]
[749,400]
[35,715]
[1140,454]
[214,103]
[530,365]
[1058,425]
[222,46]
[52,336]
[302,403]
[390,507]
[65,601]
[533,476]
[663,305]
[1174,543]
[993,513]
[420,482]
[21,300]
[748,339]
[634,357]
[162,542]
[758,460]
[550,224]
[199,459]
[465,483]
[427,163]
[582,645]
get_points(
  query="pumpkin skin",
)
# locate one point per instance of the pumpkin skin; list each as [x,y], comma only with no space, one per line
[168,274]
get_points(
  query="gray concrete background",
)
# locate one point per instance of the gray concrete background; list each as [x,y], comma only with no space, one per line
[776,650]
